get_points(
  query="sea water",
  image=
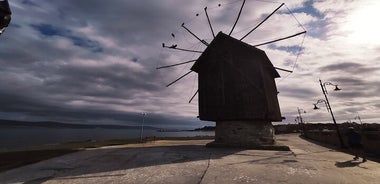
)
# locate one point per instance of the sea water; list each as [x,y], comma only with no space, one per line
[19,137]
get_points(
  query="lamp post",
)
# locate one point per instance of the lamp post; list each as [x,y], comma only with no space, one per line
[299,113]
[142,126]
[360,120]
[327,103]
[300,118]
[300,125]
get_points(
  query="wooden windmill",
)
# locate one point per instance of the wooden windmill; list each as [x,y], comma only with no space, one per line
[236,87]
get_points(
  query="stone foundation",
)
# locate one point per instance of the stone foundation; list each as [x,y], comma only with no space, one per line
[244,134]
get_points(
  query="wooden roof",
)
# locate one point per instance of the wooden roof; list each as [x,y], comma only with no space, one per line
[229,48]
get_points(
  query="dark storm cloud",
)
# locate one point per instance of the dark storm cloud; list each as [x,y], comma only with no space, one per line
[40,111]
[54,86]
[119,81]
[289,49]
[373,87]
[29,3]
[22,102]
[124,20]
[348,67]
[297,92]
[348,81]
[351,94]
[24,48]
[50,105]
[354,107]
[354,87]
[68,61]
[377,105]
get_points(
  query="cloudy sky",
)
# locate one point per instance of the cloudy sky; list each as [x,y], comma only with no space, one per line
[94,61]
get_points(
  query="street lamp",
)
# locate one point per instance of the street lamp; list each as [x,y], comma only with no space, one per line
[142,125]
[320,101]
[296,119]
[323,86]
[327,103]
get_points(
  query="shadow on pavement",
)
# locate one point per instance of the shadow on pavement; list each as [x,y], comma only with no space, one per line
[100,161]
[281,157]
[349,163]
[331,147]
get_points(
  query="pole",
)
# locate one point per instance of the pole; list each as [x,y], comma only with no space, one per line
[188,30]
[283,69]
[142,126]
[167,66]
[299,113]
[179,78]
[361,123]
[303,32]
[302,123]
[332,115]
[237,19]
[209,23]
[191,99]
[360,120]
[176,48]
[261,22]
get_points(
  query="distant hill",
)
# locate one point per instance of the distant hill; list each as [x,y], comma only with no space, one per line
[51,124]
[205,128]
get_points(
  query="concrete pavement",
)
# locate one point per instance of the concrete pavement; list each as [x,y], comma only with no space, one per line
[191,162]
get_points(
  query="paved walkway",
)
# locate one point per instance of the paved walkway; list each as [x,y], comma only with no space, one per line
[191,162]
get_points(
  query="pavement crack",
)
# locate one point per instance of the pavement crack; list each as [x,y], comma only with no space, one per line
[205,171]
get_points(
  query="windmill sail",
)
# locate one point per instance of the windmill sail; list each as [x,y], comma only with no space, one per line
[195,43]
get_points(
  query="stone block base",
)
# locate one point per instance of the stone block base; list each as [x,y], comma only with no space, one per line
[245,134]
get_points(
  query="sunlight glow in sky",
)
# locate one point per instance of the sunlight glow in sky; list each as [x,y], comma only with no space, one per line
[362,25]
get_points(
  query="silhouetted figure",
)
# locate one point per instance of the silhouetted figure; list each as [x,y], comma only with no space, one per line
[354,141]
